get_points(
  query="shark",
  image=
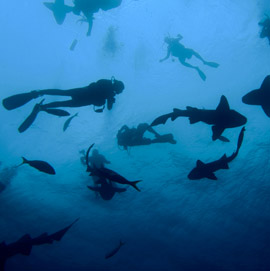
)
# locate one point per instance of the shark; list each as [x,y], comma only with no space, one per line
[260,96]
[59,10]
[221,118]
[206,170]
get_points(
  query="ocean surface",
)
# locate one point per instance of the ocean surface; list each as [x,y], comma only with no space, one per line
[173,223]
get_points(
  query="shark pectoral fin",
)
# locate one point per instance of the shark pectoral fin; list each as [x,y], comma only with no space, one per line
[223,104]
[211,176]
[266,109]
[224,139]
[217,131]
[193,120]
[200,164]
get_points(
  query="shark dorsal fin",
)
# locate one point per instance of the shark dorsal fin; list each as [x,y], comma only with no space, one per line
[266,84]
[200,164]
[223,104]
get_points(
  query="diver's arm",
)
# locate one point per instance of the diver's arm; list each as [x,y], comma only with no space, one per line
[166,57]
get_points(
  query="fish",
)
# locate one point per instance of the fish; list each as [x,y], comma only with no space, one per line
[221,118]
[114,251]
[113,176]
[260,96]
[67,122]
[56,112]
[206,170]
[26,242]
[39,165]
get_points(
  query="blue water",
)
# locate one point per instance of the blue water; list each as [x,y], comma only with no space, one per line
[173,223]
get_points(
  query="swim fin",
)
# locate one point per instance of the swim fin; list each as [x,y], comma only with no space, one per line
[201,74]
[211,64]
[31,118]
[56,112]
[18,100]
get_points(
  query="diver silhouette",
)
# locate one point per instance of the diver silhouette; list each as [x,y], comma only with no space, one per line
[176,49]
[96,94]
[128,137]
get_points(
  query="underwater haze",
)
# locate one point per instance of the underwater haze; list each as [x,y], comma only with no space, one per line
[173,223]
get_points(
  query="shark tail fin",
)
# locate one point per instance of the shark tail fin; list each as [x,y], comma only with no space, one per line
[134,184]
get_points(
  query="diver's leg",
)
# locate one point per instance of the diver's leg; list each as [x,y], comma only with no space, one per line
[69,103]
[58,92]
[210,64]
[201,74]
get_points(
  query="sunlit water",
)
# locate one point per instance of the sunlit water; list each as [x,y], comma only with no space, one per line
[174,223]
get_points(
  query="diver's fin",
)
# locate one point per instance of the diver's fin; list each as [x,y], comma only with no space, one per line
[211,64]
[56,112]
[224,139]
[57,236]
[223,104]
[18,100]
[217,131]
[161,120]
[31,118]
[134,184]
[201,74]
[89,168]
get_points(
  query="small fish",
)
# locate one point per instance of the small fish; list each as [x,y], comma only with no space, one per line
[39,165]
[114,251]
[67,122]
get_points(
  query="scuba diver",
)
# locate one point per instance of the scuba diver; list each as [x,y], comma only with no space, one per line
[96,94]
[127,137]
[176,49]
[265,33]
[102,187]
[88,8]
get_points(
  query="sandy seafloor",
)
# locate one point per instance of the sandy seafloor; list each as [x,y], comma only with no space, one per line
[173,223]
